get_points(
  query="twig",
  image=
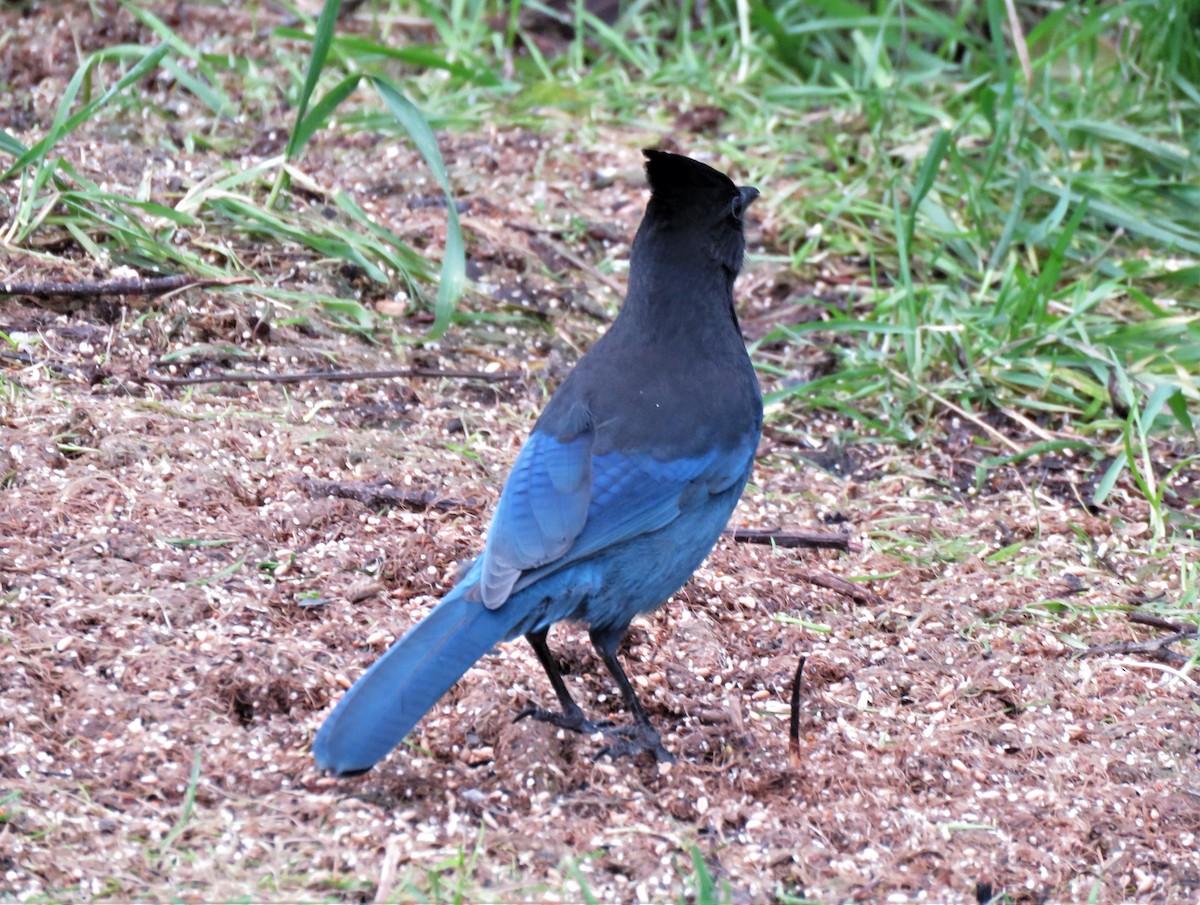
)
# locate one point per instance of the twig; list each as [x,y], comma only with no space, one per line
[831,582]
[545,236]
[821,540]
[580,264]
[1155,649]
[794,722]
[24,358]
[1182,628]
[960,411]
[377,494]
[1018,39]
[329,376]
[93,288]
[1016,416]
[979,422]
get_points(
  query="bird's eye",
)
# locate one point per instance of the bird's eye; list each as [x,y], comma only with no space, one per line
[736,207]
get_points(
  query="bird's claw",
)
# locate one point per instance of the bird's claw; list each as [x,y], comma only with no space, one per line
[624,741]
[630,741]
[575,722]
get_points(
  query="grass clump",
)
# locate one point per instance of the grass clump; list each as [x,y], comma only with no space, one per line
[1010,195]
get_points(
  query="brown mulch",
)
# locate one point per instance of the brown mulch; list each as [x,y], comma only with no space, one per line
[199,571]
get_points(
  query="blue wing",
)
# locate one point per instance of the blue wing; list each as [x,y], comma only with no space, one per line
[542,509]
[562,503]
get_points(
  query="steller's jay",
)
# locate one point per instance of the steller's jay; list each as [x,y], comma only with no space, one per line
[622,489]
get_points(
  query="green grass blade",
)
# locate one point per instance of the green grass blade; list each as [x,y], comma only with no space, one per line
[64,122]
[189,804]
[322,39]
[200,84]
[1105,485]
[320,114]
[452,280]
[10,145]
[1178,404]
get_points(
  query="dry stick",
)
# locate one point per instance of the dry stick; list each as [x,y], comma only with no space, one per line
[381,493]
[818,539]
[1183,628]
[27,360]
[1154,649]
[961,412]
[580,264]
[1018,39]
[329,376]
[979,422]
[1016,416]
[93,288]
[831,582]
[794,723]
[777,537]
[567,255]
[24,358]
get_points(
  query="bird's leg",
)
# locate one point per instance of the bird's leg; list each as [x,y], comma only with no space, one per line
[641,736]
[571,716]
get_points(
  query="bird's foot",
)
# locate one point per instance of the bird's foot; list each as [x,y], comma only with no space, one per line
[629,741]
[573,720]
[623,741]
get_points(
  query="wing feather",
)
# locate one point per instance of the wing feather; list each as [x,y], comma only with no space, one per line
[562,504]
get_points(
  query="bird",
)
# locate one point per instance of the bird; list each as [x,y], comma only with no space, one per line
[622,488]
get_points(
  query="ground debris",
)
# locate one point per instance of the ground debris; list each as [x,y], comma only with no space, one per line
[198,564]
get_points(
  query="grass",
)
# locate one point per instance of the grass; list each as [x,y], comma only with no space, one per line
[1023,245]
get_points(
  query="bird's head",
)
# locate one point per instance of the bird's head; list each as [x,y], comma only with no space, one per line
[689,197]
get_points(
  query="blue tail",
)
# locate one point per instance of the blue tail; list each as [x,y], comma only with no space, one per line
[383,706]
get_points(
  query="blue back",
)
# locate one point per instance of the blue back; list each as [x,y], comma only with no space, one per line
[590,551]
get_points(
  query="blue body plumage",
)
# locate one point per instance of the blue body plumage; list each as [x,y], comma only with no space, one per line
[621,490]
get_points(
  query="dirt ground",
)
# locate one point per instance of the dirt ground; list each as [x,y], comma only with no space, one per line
[180,591]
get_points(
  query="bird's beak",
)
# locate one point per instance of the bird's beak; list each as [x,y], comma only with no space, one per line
[748,193]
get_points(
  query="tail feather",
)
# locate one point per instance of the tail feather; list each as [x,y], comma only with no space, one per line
[402,685]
